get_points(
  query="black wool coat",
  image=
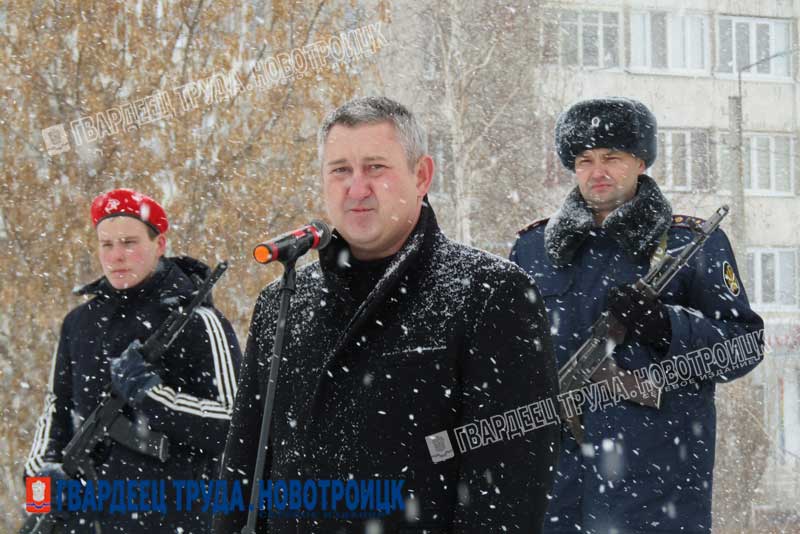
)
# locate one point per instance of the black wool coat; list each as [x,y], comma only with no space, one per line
[449,335]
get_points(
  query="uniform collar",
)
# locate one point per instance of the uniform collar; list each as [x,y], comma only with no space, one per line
[636,225]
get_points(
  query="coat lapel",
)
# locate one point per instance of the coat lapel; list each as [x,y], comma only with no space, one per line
[410,255]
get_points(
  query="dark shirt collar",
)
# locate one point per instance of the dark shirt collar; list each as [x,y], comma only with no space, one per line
[352,280]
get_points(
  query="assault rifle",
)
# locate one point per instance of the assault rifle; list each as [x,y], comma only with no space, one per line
[107,423]
[594,361]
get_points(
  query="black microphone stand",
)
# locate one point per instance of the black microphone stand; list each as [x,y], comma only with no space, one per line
[287,288]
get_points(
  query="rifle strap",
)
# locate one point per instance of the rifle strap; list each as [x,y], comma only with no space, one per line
[660,252]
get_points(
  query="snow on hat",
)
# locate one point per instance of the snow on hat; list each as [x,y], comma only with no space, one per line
[132,204]
[615,122]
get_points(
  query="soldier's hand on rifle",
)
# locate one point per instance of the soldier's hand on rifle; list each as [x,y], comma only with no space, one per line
[131,376]
[644,317]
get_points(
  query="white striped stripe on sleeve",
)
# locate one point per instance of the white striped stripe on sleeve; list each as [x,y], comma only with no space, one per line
[44,424]
[224,377]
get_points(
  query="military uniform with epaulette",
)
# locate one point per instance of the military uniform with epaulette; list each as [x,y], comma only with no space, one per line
[639,468]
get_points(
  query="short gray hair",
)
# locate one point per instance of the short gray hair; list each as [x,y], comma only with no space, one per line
[375,110]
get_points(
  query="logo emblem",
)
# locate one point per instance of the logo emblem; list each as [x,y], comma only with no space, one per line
[37,495]
[730,279]
[55,139]
[439,446]
[112,205]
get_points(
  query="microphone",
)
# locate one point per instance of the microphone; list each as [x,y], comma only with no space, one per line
[291,245]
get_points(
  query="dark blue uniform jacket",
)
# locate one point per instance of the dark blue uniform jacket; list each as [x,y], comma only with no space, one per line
[642,469]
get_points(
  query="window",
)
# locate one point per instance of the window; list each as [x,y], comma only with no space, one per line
[672,42]
[683,160]
[772,277]
[768,163]
[744,41]
[582,39]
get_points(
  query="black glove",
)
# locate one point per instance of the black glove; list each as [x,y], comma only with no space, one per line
[131,376]
[645,318]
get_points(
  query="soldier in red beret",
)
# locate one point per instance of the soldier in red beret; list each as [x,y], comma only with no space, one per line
[187,395]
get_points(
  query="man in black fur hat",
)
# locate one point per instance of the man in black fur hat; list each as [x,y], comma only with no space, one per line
[636,468]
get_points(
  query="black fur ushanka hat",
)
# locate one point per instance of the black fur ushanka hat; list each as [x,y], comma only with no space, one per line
[615,122]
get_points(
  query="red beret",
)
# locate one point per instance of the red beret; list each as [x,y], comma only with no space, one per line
[129,202]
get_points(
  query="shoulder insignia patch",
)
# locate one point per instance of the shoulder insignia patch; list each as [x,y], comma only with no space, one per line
[686,221]
[534,224]
[729,277]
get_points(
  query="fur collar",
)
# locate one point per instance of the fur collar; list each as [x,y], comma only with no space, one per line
[637,225]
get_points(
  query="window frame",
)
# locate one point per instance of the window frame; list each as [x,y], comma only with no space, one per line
[667,182]
[671,18]
[755,292]
[753,45]
[601,25]
[753,149]
[755,178]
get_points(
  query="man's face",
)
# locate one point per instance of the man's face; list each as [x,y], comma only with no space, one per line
[607,178]
[127,253]
[371,196]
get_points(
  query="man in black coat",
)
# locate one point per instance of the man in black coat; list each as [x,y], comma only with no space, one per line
[398,333]
[188,395]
